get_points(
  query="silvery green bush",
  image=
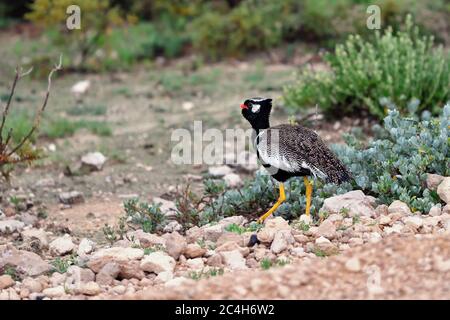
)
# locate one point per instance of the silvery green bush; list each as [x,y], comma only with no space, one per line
[392,166]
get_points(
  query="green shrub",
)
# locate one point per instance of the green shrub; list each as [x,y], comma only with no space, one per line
[390,167]
[97,18]
[143,41]
[249,26]
[148,217]
[402,68]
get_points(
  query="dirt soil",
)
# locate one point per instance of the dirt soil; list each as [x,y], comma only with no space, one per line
[395,268]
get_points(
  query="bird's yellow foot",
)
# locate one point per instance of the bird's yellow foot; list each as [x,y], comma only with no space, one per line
[280,200]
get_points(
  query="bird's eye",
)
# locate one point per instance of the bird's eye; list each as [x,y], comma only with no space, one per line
[255,108]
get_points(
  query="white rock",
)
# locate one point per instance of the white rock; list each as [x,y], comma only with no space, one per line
[219,171]
[25,262]
[234,260]
[54,292]
[168,208]
[435,211]
[32,285]
[77,275]
[212,233]
[399,207]
[163,277]
[177,282]
[413,221]
[193,250]
[187,106]
[72,197]
[431,221]
[157,262]
[9,294]
[433,180]
[6,281]
[356,241]
[90,289]
[232,180]
[374,237]
[62,245]
[117,255]
[335,217]
[443,190]
[33,235]
[356,202]
[281,241]
[57,278]
[396,228]
[384,220]
[85,247]
[175,244]
[305,219]
[271,227]
[173,226]
[353,265]
[298,251]
[146,239]
[93,161]
[120,289]
[322,240]
[80,87]
[325,245]
[446,209]
[195,264]
[10,226]
[327,229]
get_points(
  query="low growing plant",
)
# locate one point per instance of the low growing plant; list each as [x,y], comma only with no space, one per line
[148,217]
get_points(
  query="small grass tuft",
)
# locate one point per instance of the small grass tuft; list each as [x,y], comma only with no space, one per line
[213,272]
[61,265]
[87,110]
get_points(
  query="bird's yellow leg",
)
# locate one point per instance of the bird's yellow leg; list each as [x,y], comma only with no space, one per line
[309,189]
[280,200]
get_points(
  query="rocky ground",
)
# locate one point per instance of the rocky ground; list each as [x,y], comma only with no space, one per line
[398,267]
[360,250]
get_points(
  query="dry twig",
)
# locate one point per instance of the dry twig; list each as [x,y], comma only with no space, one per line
[9,155]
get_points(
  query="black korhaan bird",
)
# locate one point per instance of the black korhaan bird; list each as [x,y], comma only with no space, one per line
[290,151]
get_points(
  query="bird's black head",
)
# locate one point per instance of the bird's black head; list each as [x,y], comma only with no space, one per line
[257,112]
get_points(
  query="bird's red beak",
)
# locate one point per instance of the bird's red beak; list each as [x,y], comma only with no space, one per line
[243,106]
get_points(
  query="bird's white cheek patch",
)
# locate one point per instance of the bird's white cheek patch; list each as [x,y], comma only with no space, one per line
[255,108]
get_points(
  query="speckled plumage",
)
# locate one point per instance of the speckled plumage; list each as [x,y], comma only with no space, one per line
[299,151]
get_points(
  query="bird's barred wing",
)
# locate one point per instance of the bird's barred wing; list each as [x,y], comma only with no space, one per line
[293,150]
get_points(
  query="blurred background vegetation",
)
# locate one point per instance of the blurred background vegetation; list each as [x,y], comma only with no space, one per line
[116,34]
